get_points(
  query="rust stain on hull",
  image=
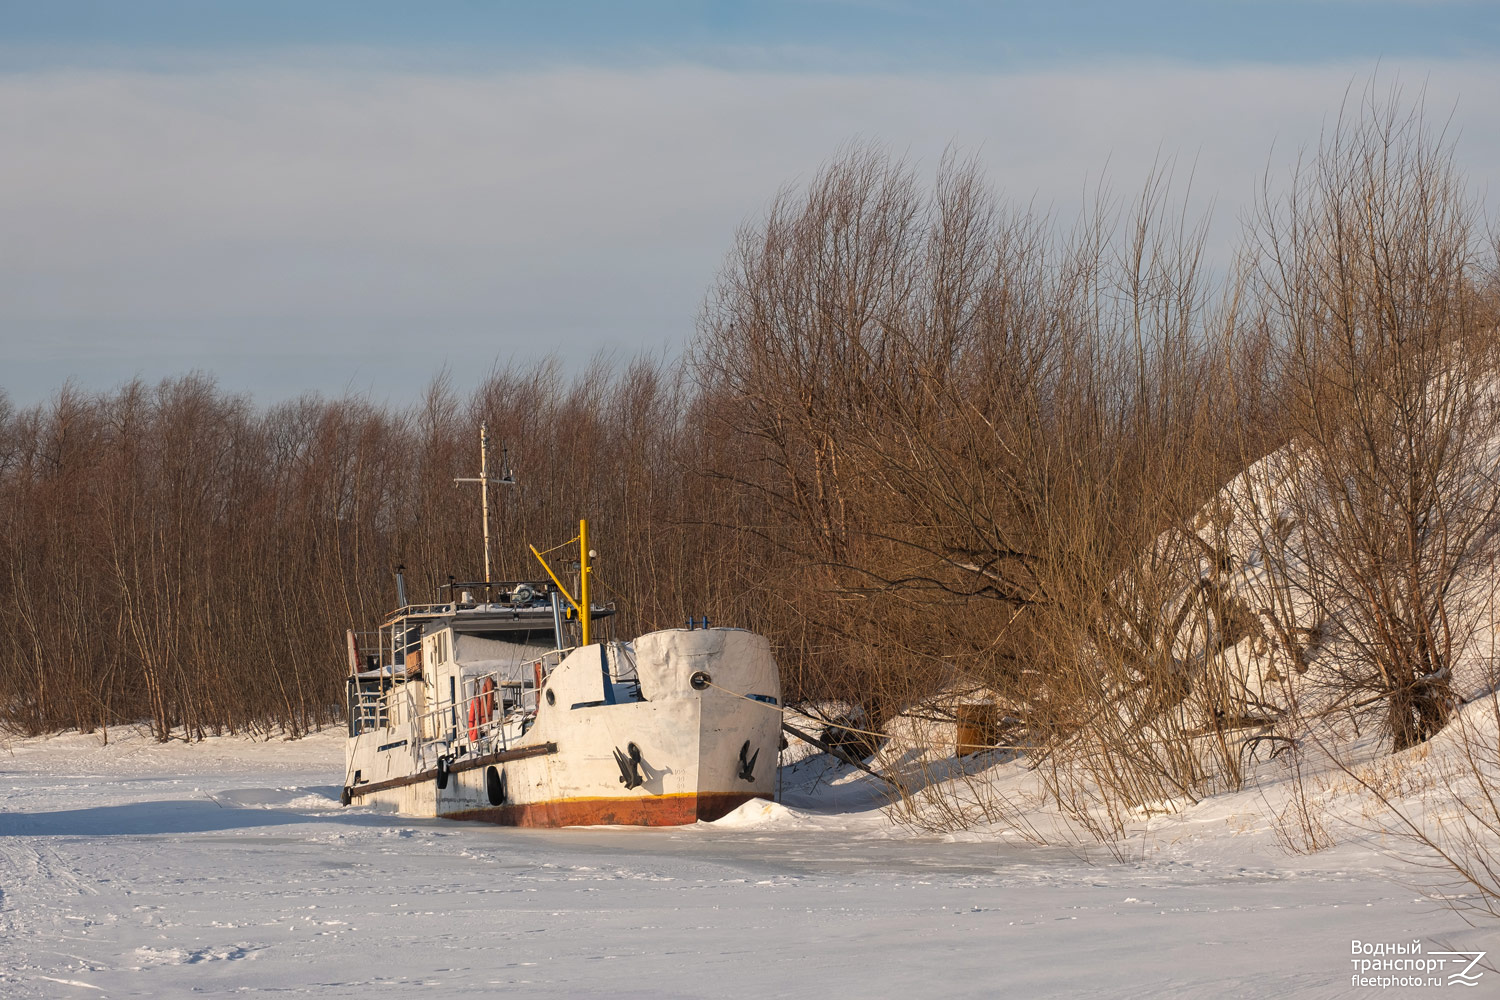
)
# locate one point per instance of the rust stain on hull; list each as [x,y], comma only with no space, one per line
[659,810]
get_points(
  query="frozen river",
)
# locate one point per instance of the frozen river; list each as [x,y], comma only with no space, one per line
[142,871]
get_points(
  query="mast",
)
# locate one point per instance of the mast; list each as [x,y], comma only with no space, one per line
[484,480]
[585,572]
[585,615]
[484,499]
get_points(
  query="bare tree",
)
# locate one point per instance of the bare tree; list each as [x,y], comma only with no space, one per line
[1384,505]
[980,444]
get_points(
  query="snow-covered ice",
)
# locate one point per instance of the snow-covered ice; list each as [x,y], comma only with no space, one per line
[146,870]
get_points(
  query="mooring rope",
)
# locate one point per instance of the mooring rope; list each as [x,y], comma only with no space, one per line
[853,729]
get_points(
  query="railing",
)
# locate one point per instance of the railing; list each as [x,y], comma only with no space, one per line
[419,611]
[504,707]
[385,648]
[369,710]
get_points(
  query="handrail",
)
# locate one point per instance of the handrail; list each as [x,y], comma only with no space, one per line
[517,691]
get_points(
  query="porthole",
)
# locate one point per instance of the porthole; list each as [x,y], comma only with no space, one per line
[551,698]
[700,680]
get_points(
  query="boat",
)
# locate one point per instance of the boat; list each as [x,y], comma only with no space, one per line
[501,704]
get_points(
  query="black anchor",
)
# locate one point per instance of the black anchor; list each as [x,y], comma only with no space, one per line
[630,766]
[747,767]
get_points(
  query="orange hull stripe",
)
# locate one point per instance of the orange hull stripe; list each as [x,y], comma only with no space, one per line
[656,810]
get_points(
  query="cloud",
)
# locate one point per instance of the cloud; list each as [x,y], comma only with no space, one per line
[364,225]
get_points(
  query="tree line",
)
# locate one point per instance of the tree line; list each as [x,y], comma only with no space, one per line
[175,554]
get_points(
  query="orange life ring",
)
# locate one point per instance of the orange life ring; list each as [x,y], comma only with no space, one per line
[481,708]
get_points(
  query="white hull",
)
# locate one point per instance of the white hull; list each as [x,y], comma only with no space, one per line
[698,750]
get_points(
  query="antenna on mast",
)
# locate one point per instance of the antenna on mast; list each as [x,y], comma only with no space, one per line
[507,478]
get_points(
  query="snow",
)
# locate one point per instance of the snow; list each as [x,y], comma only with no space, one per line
[139,869]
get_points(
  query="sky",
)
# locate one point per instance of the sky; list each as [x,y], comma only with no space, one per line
[349,197]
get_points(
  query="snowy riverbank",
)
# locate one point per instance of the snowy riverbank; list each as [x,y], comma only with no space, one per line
[140,869]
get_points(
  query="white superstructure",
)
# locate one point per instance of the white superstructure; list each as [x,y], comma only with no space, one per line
[677,726]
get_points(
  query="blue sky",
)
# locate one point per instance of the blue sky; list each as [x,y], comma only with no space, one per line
[346,196]
[869,35]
